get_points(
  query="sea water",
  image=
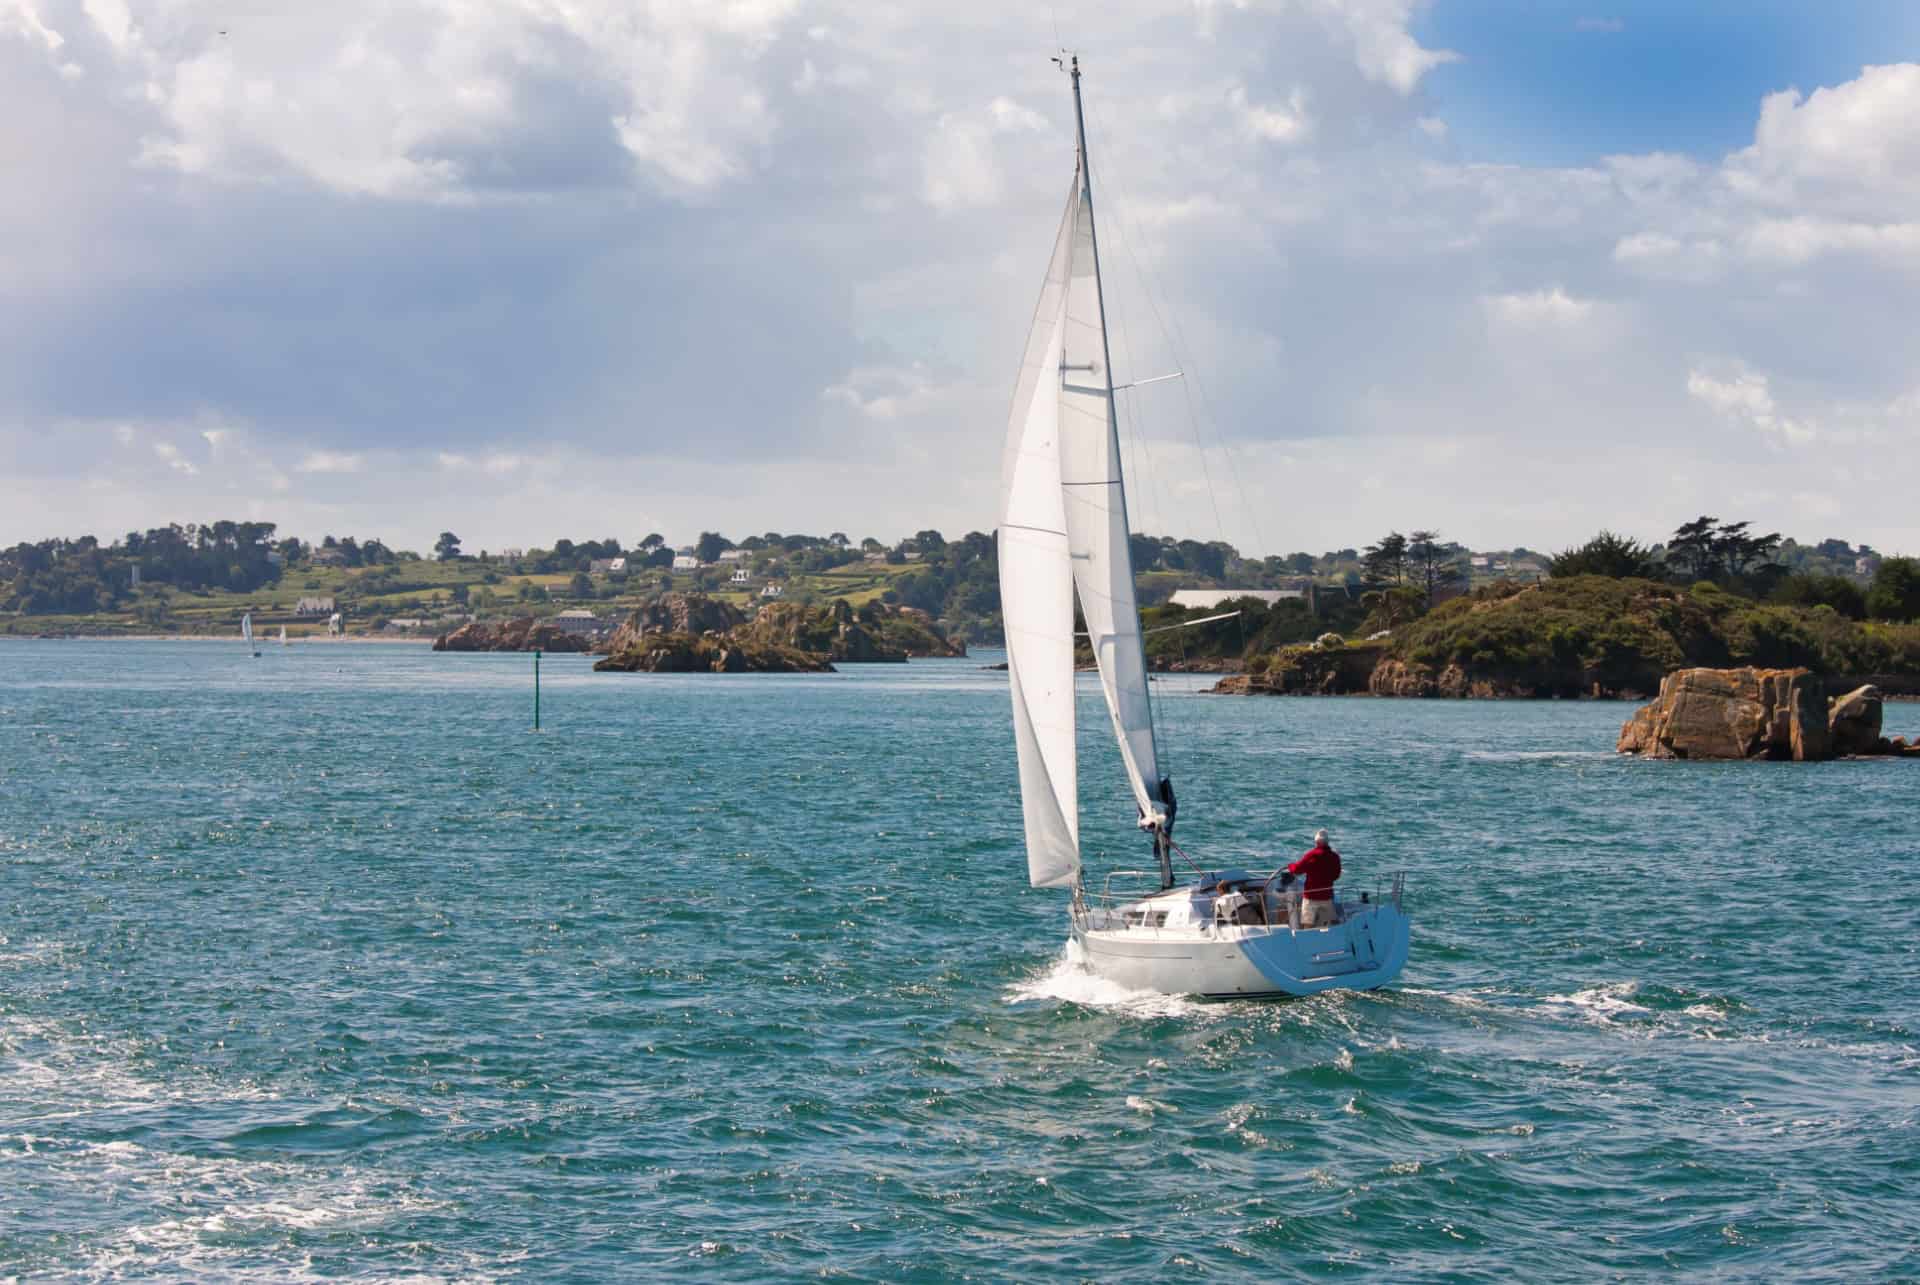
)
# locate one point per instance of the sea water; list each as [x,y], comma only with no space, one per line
[324,964]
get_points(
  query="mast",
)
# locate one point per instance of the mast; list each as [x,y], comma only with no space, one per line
[1158,823]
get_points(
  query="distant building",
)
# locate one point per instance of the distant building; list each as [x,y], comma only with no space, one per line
[405,624]
[576,620]
[772,591]
[1866,565]
[1480,562]
[740,576]
[878,555]
[275,558]
[313,607]
[685,562]
[736,555]
[1207,599]
[512,555]
[324,557]
[608,566]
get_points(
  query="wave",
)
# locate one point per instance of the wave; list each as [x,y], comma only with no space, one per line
[1068,981]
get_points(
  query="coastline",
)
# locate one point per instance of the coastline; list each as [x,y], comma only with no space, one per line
[295,640]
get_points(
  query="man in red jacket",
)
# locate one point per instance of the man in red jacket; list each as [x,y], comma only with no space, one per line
[1317,868]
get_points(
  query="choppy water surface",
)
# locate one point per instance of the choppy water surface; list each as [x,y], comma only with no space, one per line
[323,965]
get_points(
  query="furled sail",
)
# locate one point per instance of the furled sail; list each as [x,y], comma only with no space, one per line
[1096,510]
[1036,588]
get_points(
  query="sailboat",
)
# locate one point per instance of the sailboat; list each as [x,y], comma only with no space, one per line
[283,635]
[246,633]
[1063,533]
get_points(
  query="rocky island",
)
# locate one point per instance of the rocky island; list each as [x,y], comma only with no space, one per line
[522,634]
[1757,714]
[692,633]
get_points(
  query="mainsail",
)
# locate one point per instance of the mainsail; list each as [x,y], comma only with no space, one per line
[1036,588]
[246,628]
[1096,505]
[1063,526]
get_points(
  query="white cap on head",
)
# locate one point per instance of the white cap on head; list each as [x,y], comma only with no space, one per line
[1320,836]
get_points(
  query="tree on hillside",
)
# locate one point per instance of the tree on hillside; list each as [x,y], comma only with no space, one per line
[653,541]
[1690,551]
[1433,566]
[929,541]
[446,548]
[1837,592]
[1895,592]
[710,546]
[1607,554]
[581,586]
[1386,562]
[871,545]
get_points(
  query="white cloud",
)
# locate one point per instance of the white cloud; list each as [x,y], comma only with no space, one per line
[1289,124]
[170,453]
[1848,151]
[1535,308]
[331,462]
[1747,395]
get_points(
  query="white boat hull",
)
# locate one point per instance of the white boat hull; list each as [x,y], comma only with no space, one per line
[1192,955]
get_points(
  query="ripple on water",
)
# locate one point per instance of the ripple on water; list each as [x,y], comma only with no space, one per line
[320,966]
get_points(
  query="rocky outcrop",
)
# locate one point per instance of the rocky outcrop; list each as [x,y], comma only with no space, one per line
[675,613]
[835,632]
[522,634]
[1854,722]
[684,653]
[1306,670]
[1732,714]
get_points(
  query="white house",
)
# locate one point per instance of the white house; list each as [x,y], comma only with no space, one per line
[1480,562]
[740,576]
[313,607]
[735,555]
[685,562]
[772,591]
[1207,599]
[575,620]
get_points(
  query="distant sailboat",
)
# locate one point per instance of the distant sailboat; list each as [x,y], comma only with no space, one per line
[1063,528]
[246,632]
[283,635]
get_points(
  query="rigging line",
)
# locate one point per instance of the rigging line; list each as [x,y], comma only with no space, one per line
[1176,338]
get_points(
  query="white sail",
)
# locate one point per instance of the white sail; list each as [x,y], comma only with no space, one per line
[1096,509]
[1036,590]
[246,628]
[283,635]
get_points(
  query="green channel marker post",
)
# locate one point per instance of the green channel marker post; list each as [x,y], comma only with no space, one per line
[536,689]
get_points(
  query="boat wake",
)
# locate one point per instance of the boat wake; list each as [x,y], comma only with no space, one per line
[1068,981]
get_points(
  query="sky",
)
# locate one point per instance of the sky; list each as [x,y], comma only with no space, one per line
[522,269]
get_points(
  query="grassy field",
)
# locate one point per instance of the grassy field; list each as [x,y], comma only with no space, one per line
[370,596]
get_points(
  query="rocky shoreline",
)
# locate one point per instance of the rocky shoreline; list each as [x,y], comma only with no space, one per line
[1780,714]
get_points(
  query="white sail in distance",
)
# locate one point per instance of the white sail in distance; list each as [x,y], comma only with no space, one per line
[1096,509]
[1036,587]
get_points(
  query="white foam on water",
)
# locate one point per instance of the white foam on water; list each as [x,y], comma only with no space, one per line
[1068,981]
[1603,1003]
[1522,756]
